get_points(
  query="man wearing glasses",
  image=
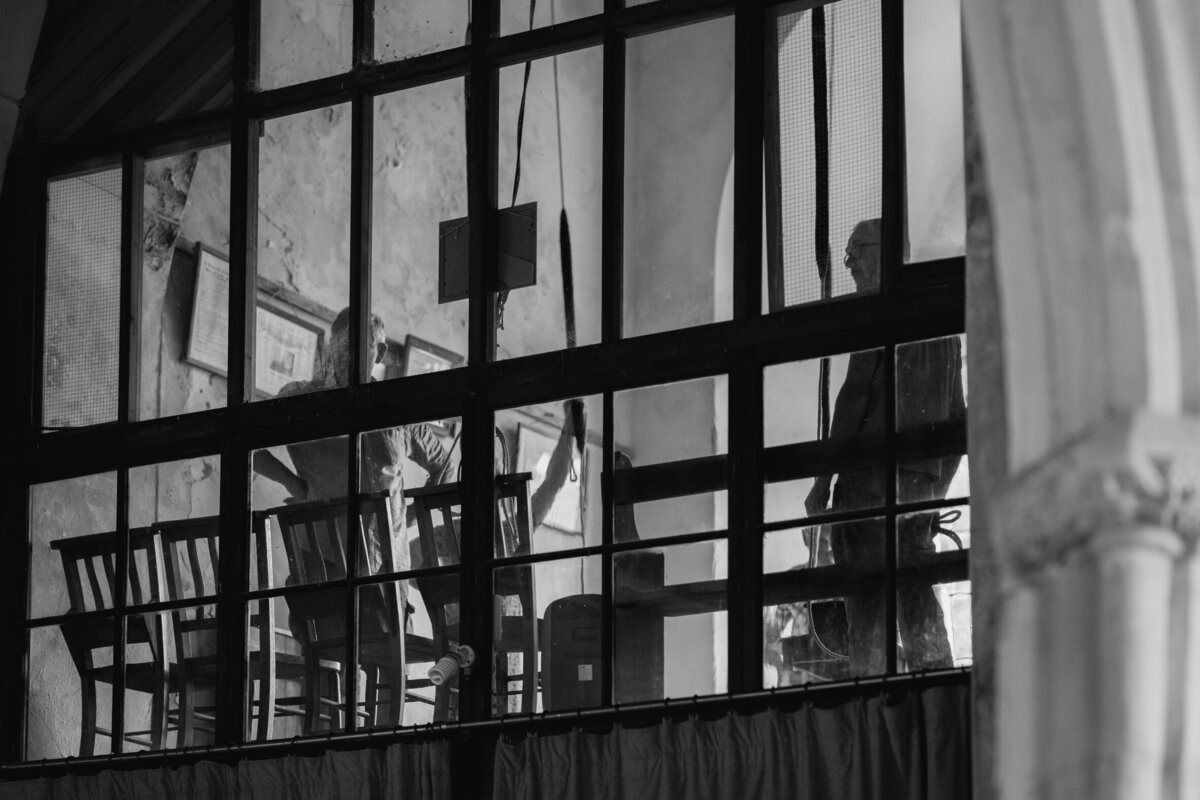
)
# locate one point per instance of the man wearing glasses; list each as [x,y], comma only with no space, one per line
[929,390]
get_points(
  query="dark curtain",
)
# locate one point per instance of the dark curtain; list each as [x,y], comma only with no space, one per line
[912,745]
[412,772]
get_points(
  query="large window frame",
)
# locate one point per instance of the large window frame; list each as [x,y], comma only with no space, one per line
[915,301]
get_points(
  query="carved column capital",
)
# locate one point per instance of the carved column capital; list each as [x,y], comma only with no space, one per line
[1133,481]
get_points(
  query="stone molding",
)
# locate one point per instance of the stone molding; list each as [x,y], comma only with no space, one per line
[1133,480]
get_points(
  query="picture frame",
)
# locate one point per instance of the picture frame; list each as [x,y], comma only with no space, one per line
[422,356]
[286,349]
[208,331]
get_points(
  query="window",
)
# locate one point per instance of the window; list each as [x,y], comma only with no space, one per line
[458,388]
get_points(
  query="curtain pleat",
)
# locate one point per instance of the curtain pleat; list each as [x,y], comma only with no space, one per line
[411,772]
[913,746]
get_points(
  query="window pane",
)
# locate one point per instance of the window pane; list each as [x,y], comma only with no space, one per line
[80,357]
[933,590]
[933,90]
[432,635]
[55,723]
[190,652]
[178,502]
[514,14]
[408,480]
[67,575]
[814,442]
[563,488]
[670,624]
[823,159]
[419,187]
[309,651]
[559,171]
[303,252]
[405,28]
[184,306]
[301,40]
[298,496]
[931,415]
[549,624]
[669,473]
[824,611]
[678,251]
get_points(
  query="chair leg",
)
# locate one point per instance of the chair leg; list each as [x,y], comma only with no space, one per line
[371,688]
[158,714]
[312,694]
[87,717]
[187,713]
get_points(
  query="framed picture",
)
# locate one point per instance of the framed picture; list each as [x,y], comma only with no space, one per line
[208,336]
[285,350]
[533,455]
[421,356]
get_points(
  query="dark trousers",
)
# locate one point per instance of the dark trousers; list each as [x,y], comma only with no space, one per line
[860,545]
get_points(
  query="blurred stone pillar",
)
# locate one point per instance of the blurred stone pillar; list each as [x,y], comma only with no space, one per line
[1099,625]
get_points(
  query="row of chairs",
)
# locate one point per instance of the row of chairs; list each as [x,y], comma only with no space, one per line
[171,655]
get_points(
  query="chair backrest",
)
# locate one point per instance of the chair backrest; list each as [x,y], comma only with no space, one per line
[89,568]
[438,510]
[314,536]
[191,555]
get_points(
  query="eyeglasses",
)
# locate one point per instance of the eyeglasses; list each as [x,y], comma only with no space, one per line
[855,251]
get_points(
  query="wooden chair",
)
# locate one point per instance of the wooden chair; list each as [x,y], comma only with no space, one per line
[90,571]
[315,537]
[437,510]
[191,556]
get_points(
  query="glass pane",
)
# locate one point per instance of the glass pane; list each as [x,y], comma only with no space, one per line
[184,307]
[301,40]
[68,705]
[933,119]
[405,28]
[432,635]
[562,490]
[80,356]
[668,477]
[833,409]
[407,477]
[419,187]
[298,495]
[67,573]
[514,14]
[180,503]
[549,625]
[678,253]
[281,709]
[931,416]
[933,595]
[303,252]
[823,158]
[181,643]
[560,173]
[824,614]
[381,653]
[670,624]
[309,651]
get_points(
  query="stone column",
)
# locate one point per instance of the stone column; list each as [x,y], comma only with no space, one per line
[1099,616]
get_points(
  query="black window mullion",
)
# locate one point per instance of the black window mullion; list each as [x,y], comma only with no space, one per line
[607,536]
[478,507]
[120,629]
[749,82]
[353,545]
[745,517]
[132,183]
[612,219]
[364,33]
[889,497]
[234,537]
[893,233]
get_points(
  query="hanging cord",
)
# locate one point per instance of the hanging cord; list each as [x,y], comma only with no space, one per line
[502,296]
